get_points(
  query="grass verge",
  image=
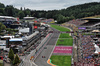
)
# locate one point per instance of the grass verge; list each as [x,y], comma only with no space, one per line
[61,60]
[60,28]
[65,42]
[65,35]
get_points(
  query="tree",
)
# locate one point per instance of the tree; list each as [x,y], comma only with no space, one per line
[21,14]
[21,8]
[60,18]
[9,10]
[1,11]
[27,12]
[16,60]
[2,27]
[76,11]
[11,55]
[2,5]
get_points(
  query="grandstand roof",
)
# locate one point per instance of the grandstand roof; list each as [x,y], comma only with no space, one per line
[28,17]
[91,18]
[6,17]
[7,36]
[16,39]
[91,21]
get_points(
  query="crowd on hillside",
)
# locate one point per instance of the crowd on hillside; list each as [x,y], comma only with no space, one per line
[76,22]
[86,53]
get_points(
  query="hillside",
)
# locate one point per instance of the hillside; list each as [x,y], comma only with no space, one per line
[84,10]
[63,15]
[96,16]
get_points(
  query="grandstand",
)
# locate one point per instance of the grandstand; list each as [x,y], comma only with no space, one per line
[88,46]
[92,24]
[88,51]
[76,22]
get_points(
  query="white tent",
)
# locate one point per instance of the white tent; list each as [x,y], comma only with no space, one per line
[95,31]
[96,52]
[93,43]
[97,48]
[25,30]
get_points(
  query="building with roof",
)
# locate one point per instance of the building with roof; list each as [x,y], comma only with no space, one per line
[29,19]
[25,30]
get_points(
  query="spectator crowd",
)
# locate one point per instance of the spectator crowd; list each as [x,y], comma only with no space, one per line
[86,51]
[76,22]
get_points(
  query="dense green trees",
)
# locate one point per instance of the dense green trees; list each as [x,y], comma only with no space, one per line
[13,59]
[4,30]
[21,14]
[9,10]
[1,11]
[2,27]
[16,60]
[2,5]
[63,15]
[27,12]
[11,55]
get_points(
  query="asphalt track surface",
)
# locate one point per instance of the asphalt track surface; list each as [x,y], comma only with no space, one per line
[47,52]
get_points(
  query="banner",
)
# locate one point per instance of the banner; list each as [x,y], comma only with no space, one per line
[63,49]
[35,27]
[82,28]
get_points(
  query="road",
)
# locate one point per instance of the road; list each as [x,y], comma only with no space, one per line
[47,52]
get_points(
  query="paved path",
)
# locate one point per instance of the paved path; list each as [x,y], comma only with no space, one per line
[7,64]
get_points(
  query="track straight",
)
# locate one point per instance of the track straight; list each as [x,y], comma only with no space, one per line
[47,52]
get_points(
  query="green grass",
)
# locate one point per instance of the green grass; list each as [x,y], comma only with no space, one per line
[65,42]
[65,35]
[60,28]
[1,64]
[1,61]
[61,60]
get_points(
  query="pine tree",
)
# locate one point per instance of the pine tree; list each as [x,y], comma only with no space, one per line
[16,60]
[11,55]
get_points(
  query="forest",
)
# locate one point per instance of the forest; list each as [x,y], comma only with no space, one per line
[63,15]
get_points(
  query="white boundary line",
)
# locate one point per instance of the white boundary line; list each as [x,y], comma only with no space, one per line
[30,63]
[34,63]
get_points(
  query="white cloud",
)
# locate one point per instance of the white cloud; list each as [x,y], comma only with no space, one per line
[45,4]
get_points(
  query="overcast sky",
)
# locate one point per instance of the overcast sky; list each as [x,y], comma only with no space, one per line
[45,4]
